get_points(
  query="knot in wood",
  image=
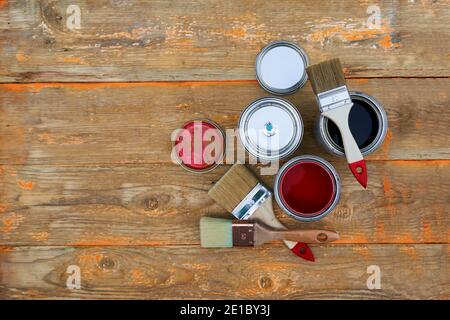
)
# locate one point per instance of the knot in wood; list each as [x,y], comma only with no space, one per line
[106,263]
[152,203]
[265,283]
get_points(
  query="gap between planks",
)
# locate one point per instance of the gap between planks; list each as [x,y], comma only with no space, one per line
[130,164]
[188,82]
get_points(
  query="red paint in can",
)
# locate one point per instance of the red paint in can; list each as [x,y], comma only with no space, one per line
[307,188]
[199,145]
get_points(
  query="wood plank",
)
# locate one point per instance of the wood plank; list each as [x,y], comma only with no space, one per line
[154,205]
[116,123]
[407,272]
[199,40]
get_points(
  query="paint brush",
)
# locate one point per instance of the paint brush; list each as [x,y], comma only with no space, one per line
[328,82]
[241,194]
[225,233]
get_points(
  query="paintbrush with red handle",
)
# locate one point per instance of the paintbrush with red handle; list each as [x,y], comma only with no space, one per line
[328,82]
[225,233]
[241,194]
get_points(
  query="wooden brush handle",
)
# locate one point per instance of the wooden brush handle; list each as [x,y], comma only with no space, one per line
[307,236]
[353,154]
[266,215]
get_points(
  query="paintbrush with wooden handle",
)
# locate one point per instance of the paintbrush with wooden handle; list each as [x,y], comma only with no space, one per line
[225,233]
[241,194]
[328,82]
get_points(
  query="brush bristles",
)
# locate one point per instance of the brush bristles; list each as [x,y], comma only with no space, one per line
[326,75]
[216,233]
[233,187]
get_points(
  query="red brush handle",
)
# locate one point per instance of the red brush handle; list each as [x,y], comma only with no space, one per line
[359,170]
[303,251]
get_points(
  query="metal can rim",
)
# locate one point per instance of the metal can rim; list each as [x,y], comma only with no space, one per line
[376,143]
[333,172]
[297,138]
[261,55]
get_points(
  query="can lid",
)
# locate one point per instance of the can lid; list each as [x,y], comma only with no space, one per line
[270,128]
[281,67]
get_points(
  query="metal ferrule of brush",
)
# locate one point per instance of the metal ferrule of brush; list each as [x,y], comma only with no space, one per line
[251,202]
[333,98]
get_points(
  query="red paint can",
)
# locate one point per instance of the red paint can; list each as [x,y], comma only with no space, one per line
[307,188]
[199,145]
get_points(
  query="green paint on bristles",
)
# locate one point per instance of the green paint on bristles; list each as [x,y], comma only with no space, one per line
[216,233]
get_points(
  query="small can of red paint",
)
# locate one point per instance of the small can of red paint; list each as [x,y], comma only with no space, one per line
[367,121]
[307,188]
[199,145]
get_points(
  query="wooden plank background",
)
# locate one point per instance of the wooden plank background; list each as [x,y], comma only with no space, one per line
[85,123]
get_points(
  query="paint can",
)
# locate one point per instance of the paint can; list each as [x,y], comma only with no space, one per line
[307,188]
[199,145]
[281,67]
[368,124]
[270,128]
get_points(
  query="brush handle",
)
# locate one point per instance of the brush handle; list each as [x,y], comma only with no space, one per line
[265,215]
[308,236]
[353,154]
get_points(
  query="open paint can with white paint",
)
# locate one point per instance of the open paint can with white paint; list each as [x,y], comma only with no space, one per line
[281,67]
[199,145]
[307,188]
[270,128]
[367,121]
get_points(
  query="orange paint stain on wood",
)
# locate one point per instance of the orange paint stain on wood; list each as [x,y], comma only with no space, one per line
[76,60]
[361,81]
[380,233]
[427,232]
[5,249]
[22,57]
[421,163]
[357,237]
[3,3]
[46,137]
[3,207]
[8,225]
[12,222]
[40,236]
[39,86]
[137,276]
[418,124]
[410,252]
[363,251]
[387,43]
[116,241]
[389,195]
[351,34]
[403,237]
[73,140]
[387,143]
[25,185]
[90,258]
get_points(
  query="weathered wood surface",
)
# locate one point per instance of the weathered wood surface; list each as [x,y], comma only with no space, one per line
[407,272]
[205,40]
[406,202]
[85,170]
[116,123]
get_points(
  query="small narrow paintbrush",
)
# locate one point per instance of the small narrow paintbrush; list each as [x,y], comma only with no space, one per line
[241,194]
[224,233]
[328,82]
